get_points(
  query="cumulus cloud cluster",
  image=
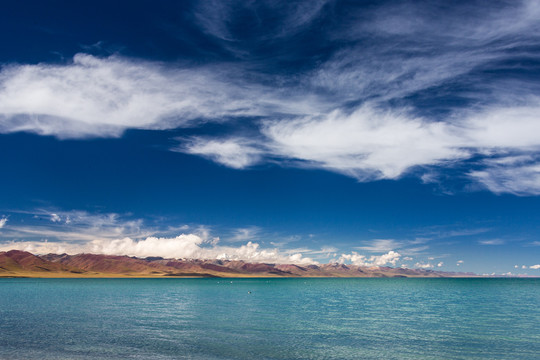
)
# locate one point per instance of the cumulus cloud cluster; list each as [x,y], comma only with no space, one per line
[423,266]
[534,267]
[75,232]
[381,106]
[44,231]
[184,246]
[390,258]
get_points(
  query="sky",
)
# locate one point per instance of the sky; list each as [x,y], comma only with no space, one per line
[377,133]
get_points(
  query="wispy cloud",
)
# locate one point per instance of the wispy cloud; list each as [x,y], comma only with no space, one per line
[234,153]
[449,231]
[521,178]
[414,57]
[415,250]
[217,19]
[77,226]
[491,242]
[94,96]
[245,234]
[406,247]
[401,90]
[381,245]
[3,221]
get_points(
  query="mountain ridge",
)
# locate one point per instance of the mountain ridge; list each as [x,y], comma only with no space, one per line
[16,263]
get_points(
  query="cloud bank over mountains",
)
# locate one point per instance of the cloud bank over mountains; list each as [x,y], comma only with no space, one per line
[392,90]
[184,246]
[191,246]
[76,232]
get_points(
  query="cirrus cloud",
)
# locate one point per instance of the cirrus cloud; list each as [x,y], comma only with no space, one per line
[94,96]
[392,95]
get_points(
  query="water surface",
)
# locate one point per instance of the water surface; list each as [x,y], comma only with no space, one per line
[270,319]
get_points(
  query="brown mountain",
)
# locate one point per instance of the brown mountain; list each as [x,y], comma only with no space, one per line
[17,263]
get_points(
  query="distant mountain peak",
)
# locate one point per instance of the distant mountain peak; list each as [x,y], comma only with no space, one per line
[16,263]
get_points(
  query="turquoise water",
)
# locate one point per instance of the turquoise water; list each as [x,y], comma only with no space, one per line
[279,319]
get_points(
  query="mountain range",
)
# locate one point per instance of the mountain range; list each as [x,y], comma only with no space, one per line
[15,263]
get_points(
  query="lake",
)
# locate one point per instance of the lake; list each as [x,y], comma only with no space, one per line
[302,318]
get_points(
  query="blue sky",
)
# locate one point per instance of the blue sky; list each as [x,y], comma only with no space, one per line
[377,133]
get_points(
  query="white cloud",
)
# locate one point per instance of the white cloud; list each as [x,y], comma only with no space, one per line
[374,141]
[535,267]
[380,245]
[82,226]
[3,222]
[416,250]
[505,126]
[518,180]
[216,18]
[189,246]
[440,264]
[368,143]
[491,242]
[406,247]
[349,114]
[116,234]
[234,153]
[423,266]
[245,234]
[390,257]
[463,232]
[440,46]
[407,258]
[104,96]
[459,262]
